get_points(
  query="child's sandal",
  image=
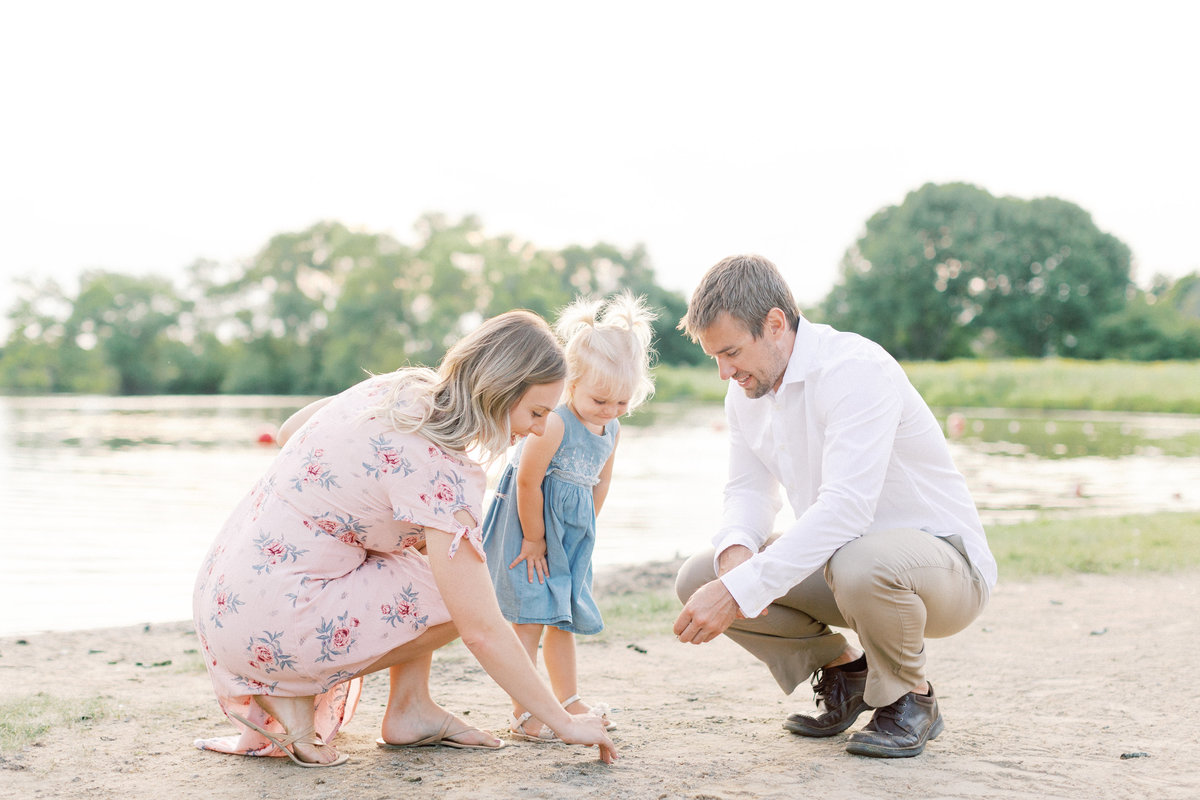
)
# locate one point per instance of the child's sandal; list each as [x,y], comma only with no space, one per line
[544,736]
[598,710]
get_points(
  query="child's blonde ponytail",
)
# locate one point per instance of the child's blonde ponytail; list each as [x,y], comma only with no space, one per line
[611,343]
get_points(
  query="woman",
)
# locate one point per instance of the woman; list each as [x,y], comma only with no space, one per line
[345,558]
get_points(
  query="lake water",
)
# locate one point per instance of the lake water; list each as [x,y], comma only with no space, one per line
[111,503]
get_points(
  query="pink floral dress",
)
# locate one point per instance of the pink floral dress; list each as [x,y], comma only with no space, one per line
[316,575]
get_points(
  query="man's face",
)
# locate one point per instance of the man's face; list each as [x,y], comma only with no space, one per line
[756,364]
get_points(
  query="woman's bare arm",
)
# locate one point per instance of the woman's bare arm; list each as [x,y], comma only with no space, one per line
[295,421]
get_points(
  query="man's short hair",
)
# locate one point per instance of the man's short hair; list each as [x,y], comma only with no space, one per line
[745,286]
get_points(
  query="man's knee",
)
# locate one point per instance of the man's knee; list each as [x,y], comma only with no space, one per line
[695,572]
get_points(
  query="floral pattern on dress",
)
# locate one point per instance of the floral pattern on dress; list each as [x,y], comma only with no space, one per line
[446,492]
[274,551]
[387,459]
[336,636]
[266,653]
[255,687]
[315,471]
[404,609]
[304,582]
[348,529]
[211,561]
[411,533]
[261,490]
[341,676]
[223,602]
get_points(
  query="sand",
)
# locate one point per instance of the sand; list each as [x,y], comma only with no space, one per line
[1080,687]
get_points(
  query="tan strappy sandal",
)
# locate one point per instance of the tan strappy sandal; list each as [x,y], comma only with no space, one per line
[288,740]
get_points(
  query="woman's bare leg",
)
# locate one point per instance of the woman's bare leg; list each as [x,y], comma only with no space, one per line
[411,713]
[295,714]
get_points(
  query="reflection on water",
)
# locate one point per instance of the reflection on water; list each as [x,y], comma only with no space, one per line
[111,503]
[1065,434]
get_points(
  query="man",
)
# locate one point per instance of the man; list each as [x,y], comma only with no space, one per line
[886,542]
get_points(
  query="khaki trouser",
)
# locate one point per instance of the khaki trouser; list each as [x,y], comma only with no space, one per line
[893,588]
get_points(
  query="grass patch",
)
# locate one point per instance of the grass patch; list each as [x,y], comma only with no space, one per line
[1048,383]
[698,384]
[24,721]
[1125,545]
[1100,545]
[1057,383]
[638,614]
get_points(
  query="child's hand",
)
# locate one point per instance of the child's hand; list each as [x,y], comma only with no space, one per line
[588,729]
[533,553]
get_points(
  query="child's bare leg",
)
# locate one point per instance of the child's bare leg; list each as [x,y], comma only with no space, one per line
[558,651]
[530,635]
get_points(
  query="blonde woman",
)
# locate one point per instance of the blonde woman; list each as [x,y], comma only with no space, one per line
[347,557]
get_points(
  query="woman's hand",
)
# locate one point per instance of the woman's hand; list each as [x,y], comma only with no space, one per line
[588,729]
[533,553]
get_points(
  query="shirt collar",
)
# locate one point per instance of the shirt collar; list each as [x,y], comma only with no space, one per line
[804,350]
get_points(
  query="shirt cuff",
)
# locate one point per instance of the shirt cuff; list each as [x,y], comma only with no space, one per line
[730,539]
[744,584]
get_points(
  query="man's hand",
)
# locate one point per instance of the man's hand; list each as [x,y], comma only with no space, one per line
[707,614]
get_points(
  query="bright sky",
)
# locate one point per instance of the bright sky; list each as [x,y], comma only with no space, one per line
[139,137]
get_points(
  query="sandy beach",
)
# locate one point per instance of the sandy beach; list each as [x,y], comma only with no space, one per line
[1079,687]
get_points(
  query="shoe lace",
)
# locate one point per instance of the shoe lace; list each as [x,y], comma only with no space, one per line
[826,686]
[892,715]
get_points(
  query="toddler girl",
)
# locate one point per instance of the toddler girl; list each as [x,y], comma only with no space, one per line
[541,526]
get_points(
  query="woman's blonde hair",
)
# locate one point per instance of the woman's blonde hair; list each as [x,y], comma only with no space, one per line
[466,401]
[610,343]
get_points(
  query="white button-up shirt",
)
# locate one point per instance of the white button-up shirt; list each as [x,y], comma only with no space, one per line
[855,448]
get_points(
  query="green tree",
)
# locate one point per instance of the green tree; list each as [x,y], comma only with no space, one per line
[603,269]
[29,360]
[311,312]
[954,271]
[133,322]
[278,309]
[1160,324]
[372,327]
[1052,278]
[904,283]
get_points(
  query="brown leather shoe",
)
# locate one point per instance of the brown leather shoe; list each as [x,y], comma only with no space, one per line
[899,730]
[839,695]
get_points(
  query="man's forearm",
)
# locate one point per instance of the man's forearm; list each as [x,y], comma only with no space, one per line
[731,557]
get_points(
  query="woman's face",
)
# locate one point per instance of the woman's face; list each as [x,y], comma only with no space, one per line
[529,414]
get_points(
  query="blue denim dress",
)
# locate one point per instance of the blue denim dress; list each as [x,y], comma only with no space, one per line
[565,599]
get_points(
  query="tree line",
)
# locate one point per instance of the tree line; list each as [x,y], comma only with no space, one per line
[951,272]
[310,312]
[954,272]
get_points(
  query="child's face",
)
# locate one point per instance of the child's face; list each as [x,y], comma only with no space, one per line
[594,405]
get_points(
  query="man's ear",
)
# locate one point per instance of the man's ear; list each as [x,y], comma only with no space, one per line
[775,323]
